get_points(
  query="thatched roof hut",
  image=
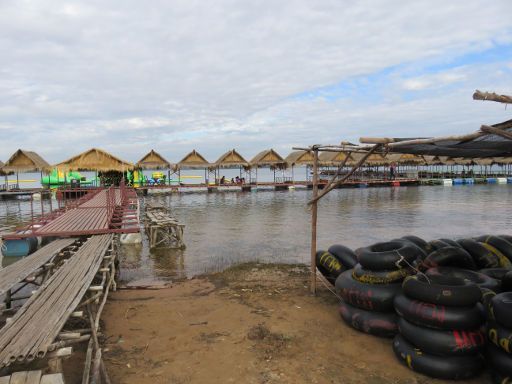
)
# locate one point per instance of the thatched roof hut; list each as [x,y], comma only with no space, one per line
[463,161]
[25,161]
[194,160]
[95,159]
[299,158]
[503,160]
[268,158]
[231,159]
[153,160]
[334,159]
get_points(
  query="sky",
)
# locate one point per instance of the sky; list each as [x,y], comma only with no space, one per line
[129,76]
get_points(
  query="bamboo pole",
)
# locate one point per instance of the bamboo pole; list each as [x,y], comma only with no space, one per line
[314,218]
[491,96]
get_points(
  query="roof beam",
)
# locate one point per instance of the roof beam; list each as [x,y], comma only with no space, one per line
[491,96]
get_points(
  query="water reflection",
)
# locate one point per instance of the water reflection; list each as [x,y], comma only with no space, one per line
[226,228]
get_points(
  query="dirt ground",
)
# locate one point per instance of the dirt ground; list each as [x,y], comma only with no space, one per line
[250,324]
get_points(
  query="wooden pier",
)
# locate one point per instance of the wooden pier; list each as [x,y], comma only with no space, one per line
[63,311]
[100,211]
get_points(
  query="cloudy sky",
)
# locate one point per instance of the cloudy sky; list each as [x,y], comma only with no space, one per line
[128,76]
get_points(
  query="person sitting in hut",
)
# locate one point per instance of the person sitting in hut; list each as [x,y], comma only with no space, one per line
[223,180]
[232,181]
[391,171]
[242,180]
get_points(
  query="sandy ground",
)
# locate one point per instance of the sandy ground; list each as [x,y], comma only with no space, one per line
[250,324]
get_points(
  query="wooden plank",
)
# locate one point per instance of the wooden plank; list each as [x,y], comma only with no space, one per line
[54,378]
[33,377]
[19,377]
[5,379]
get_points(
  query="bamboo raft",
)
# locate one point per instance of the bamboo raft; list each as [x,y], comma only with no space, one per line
[44,327]
[163,230]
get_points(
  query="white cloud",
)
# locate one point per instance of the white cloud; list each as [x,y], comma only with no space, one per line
[130,75]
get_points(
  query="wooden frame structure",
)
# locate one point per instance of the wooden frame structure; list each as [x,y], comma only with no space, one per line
[155,161]
[393,145]
[230,160]
[300,157]
[23,161]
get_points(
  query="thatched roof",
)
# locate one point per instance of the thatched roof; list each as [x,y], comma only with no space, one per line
[503,160]
[153,160]
[26,161]
[405,158]
[268,158]
[194,160]
[375,159]
[484,161]
[463,161]
[331,159]
[95,160]
[299,158]
[231,159]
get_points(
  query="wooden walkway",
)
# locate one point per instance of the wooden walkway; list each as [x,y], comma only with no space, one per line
[20,270]
[32,377]
[113,210]
[32,331]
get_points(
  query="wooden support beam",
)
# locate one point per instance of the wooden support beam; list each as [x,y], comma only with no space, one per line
[497,131]
[491,96]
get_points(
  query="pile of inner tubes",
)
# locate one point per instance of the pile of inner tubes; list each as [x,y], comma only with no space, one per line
[499,332]
[437,299]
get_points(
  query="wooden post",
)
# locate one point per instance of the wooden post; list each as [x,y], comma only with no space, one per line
[314,218]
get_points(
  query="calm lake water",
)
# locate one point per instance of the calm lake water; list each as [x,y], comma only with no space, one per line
[267,226]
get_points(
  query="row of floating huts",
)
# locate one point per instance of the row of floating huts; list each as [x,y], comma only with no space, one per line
[99,160]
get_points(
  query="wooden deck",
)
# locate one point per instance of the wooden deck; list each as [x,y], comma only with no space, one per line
[113,210]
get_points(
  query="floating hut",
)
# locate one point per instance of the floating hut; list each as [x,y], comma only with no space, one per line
[193,160]
[153,161]
[230,160]
[268,159]
[300,159]
[24,161]
[96,160]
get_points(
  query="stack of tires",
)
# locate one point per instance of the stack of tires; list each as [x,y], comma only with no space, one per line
[368,290]
[440,326]
[499,332]
[334,261]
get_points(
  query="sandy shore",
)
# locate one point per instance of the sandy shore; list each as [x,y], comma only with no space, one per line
[250,324]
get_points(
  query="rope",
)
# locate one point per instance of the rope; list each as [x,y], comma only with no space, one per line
[402,258]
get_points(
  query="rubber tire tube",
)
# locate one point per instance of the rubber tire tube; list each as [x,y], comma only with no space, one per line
[499,360]
[345,255]
[443,343]
[379,277]
[326,274]
[421,254]
[504,261]
[500,336]
[495,273]
[450,242]
[439,316]
[374,323]
[498,378]
[329,263]
[450,256]
[439,367]
[486,301]
[506,282]
[499,243]
[419,242]
[387,256]
[442,290]
[506,237]
[437,244]
[481,255]
[502,308]
[480,279]
[371,297]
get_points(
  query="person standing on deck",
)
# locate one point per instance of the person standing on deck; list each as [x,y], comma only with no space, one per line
[392,171]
